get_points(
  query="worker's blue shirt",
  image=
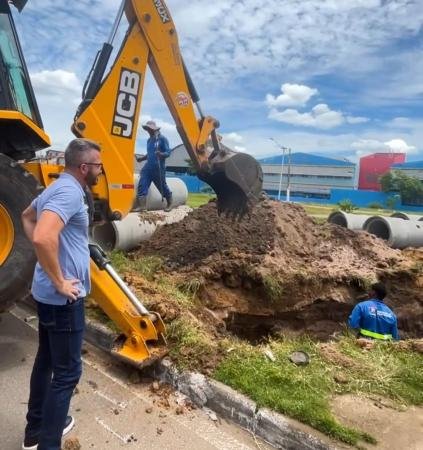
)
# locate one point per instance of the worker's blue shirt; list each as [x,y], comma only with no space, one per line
[155,143]
[66,198]
[373,315]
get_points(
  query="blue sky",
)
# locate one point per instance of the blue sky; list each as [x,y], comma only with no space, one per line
[340,78]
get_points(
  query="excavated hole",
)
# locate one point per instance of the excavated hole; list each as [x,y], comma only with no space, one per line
[320,320]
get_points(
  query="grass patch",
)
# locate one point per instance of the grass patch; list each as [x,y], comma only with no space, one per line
[196,200]
[191,286]
[304,393]
[190,343]
[147,266]
[273,288]
[183,298]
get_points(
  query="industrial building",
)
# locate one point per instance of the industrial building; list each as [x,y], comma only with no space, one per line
[306,175]
[375,165]
[412,169]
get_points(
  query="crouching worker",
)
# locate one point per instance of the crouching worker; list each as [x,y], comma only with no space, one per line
[372,318]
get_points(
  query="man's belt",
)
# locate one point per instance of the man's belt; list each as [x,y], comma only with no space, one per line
[374,335]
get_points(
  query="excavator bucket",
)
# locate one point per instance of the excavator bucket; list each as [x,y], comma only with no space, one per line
[19,4]
[237,179]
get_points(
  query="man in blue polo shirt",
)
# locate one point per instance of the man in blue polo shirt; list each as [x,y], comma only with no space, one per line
[56,223]
[372,318]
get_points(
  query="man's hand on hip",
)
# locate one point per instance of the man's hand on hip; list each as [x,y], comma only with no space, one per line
[69,289]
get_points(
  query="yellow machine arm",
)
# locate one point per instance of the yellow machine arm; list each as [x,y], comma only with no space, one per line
[110,109]
[109,114]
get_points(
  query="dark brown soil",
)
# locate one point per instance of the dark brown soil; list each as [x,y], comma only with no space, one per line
[278,270]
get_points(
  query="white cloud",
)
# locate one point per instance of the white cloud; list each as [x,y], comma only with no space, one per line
[400,146]
[57,84]
[239,148]
[232,138]
[321,116]
[366,146]
[292,95]
[354,120]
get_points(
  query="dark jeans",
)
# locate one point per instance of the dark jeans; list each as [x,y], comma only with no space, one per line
[56,372]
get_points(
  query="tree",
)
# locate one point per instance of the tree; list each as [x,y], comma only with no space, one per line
[410,188]
[388,182]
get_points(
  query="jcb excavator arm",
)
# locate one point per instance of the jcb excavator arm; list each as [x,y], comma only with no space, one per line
[109,114]
[110,110]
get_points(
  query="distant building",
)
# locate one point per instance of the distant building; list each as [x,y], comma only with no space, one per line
[412,169]
[308,175]
[375,165]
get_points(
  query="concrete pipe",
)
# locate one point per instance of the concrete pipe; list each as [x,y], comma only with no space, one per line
[346,220]
[405,216]
[154,198]
[398,233]
[126,234]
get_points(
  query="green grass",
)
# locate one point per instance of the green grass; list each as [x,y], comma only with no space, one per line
[196,200]
[304,393]
[147,266]
[190,344]
[273,288]
[317,209]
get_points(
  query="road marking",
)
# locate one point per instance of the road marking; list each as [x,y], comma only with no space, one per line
[124,439]
[121,405]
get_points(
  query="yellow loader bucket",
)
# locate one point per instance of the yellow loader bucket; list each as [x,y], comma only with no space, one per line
[237,179]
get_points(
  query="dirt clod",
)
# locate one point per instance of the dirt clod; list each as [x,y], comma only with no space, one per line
[72,443]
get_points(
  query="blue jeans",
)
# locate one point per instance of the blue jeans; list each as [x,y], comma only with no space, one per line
[156,175]
[56,372]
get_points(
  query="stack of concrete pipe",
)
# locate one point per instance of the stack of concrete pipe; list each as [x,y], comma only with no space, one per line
[136,227]
[401,230]
[351,221]
[405,216]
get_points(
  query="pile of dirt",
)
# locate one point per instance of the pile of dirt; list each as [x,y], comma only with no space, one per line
[278,269]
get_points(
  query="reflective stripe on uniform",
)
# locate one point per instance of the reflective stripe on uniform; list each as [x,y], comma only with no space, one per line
[374,335]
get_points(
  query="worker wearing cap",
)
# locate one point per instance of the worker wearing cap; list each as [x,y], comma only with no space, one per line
[372,318]
[154,170]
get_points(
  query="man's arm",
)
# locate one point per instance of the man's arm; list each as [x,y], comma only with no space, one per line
[45,238]
[140,158]
[29,220]
[164,151]
[355,317]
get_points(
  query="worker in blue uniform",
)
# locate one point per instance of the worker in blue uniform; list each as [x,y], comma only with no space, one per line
[154,170]
[372,318]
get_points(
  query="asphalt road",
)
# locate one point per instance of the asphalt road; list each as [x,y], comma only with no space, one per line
[113,407]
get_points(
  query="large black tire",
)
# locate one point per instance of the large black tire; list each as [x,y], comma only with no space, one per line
[17,189]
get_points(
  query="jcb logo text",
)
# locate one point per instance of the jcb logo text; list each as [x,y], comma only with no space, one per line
[161,9]
[126,103]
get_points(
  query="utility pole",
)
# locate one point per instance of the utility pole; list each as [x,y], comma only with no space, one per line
[288,185]
[284,149]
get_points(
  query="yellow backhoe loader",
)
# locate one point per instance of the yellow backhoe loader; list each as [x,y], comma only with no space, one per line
[109,114]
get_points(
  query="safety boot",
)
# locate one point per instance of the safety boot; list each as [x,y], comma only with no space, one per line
[169,203]
[140,204]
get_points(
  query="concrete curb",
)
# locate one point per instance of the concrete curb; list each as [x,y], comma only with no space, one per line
[274,428]
[229,404]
